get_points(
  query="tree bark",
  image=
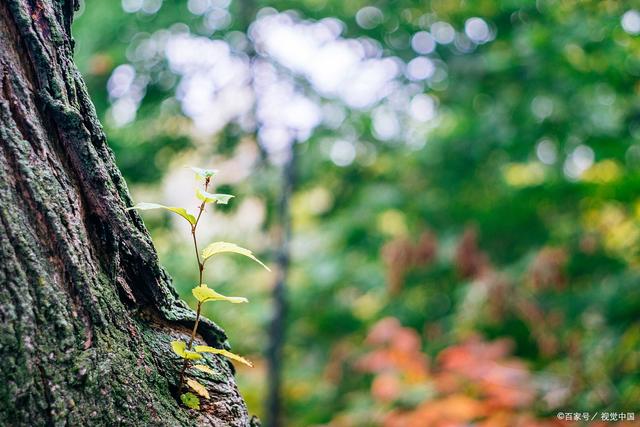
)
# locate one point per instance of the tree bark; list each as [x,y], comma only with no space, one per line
[86,311]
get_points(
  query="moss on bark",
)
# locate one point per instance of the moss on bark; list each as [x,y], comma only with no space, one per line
[86,311]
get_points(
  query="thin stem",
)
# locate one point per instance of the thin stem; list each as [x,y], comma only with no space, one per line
[185,365]
[193,233]
[193,336]
[184,368]
[195,326]
[195,246]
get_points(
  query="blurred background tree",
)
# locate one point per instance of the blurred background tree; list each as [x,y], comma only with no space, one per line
[467,168]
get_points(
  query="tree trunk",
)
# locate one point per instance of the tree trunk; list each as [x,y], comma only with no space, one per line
[86,311]
[273,407]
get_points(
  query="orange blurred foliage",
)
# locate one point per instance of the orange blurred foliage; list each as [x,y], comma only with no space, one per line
[400,255]
[474,383]
[471,262]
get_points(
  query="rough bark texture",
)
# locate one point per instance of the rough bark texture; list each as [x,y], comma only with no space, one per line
[86,312]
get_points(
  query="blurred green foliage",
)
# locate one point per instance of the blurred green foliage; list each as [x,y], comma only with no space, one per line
[535,147]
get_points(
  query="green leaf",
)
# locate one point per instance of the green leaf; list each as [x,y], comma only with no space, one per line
[203,293]
[205,369]
[221,247]
[190,400]
[204,173]
[198,388]
[180,211]
[221,199]
[180,348]
[225,353]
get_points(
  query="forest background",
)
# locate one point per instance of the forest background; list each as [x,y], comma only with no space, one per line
[461,182]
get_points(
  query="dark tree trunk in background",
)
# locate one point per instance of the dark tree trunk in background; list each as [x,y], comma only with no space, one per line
[277,327]
[86,312]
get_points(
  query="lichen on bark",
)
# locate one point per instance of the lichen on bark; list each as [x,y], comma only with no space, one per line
[86,311]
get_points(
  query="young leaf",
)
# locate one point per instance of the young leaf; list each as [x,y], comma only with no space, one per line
[220,247]
[190,400]
[198,388]
[225,353]
[221,199]
[205,369]
[203,293]
[180,348]
[180,211]
[204,173]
